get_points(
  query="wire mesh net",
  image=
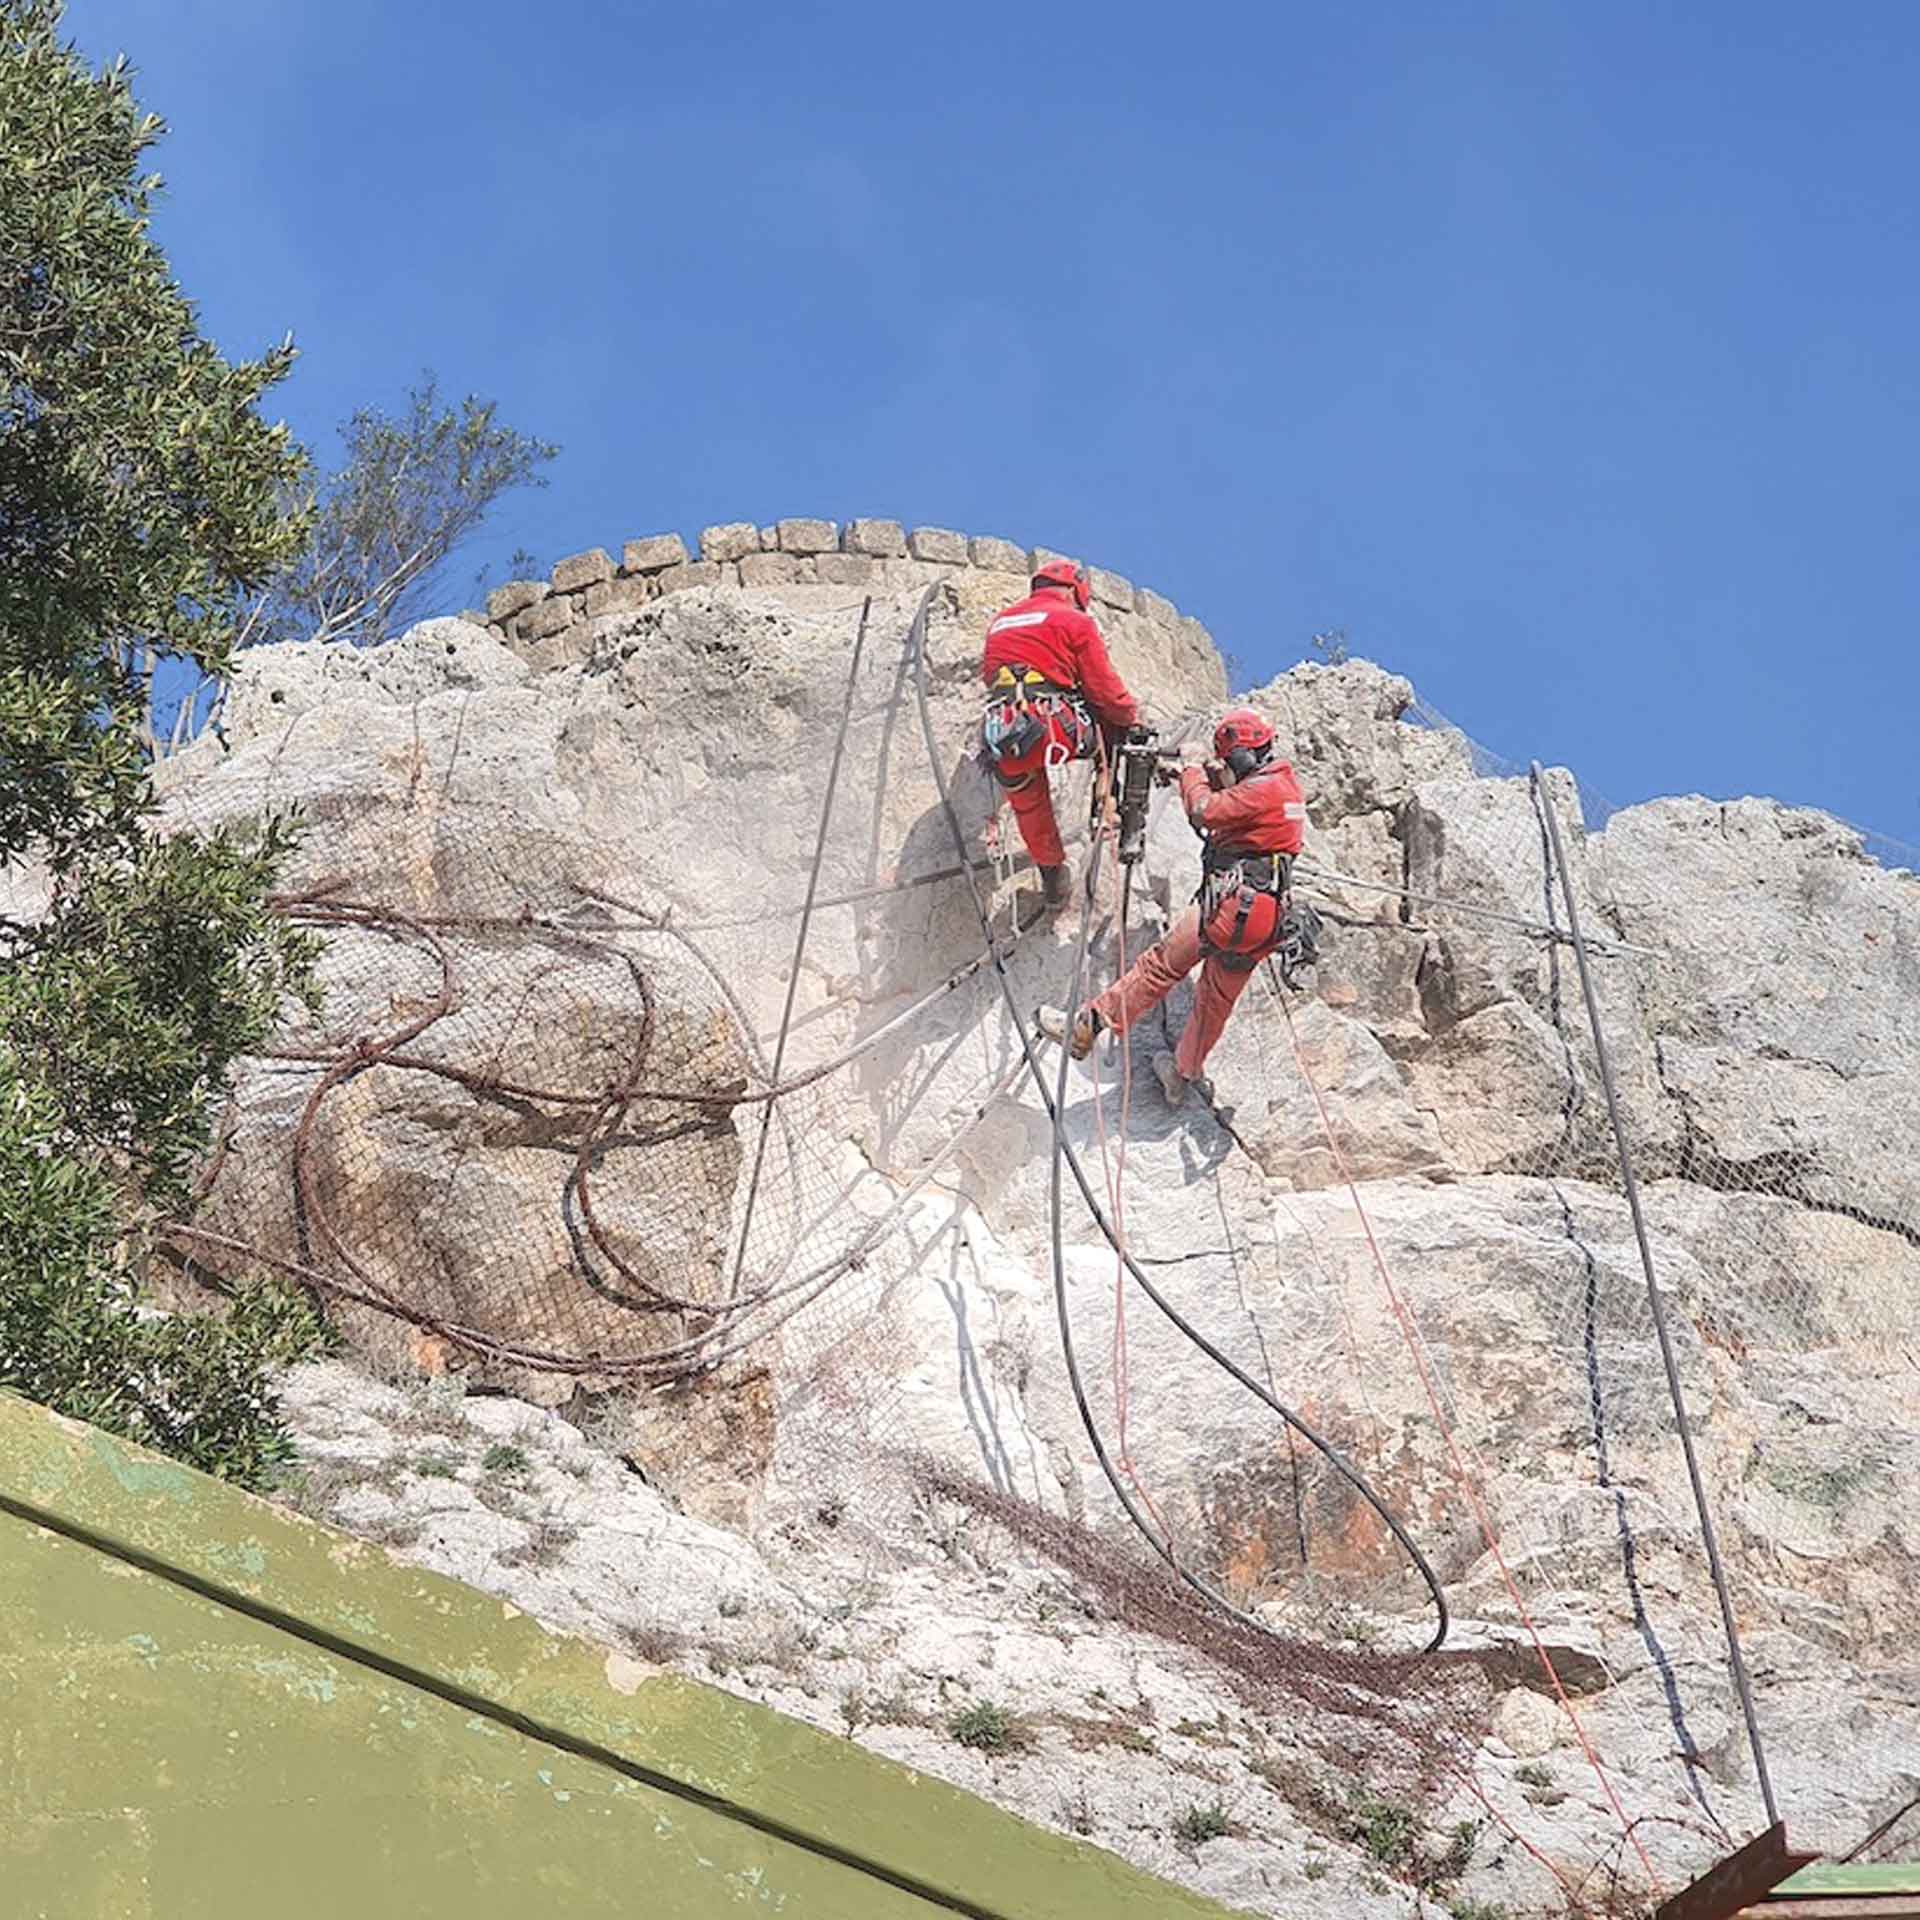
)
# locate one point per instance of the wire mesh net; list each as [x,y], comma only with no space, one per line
[1749,963]
[742,1167]
[532,1134]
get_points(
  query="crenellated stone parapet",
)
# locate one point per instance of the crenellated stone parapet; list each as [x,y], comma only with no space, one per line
[547,620]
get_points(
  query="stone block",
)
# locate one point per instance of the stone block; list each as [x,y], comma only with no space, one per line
[770,539]
[697,573]
[568,648]
[1155,607]
[937,544]
[655,553]
[808,536]
[515,597]
[732,542]
[769,569]
[626,595]
[883,539]
[1529,1724]
[1000,556]
[582,570]
[1111,588]
[846,570]
[912,573]
[1045,557]
[553,615]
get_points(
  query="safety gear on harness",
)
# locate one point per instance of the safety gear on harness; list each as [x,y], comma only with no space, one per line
[1242,740]
[1027,712]
[1299,943]
[1063,573]
[1243,898]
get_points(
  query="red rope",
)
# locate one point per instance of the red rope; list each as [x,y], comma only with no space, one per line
[1115,1168]
[1467,1485]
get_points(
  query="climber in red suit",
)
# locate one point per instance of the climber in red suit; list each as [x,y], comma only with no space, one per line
[1248,809]
[1049,683]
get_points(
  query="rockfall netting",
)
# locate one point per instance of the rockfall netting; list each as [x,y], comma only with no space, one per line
[749,1146]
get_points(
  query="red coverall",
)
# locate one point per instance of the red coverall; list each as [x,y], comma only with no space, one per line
[1048,633]
[1263,814]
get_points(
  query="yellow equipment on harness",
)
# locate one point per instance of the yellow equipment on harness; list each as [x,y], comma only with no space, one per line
[1023,706]
[1022,684]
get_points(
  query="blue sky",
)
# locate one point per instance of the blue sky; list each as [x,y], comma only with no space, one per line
[1563,354]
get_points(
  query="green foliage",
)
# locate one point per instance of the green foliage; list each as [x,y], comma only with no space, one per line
[987,1728]
[435,1466]
[1356,1628]
[158,966]
[73,1336]
[412,488]
[1456,1856]
[1396,1837]
[142,497]
[1199,1824]
[504,1457]
[142,500]
[1387,1831]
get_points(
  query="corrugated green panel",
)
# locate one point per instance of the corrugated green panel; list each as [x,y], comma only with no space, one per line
[188,1763]
[237,1688]
[1893,1876]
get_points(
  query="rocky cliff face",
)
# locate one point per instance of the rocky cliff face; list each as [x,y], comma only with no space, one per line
[562,862]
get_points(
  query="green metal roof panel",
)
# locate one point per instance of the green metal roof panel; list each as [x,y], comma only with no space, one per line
[1893,1876]
[383,1728]
[182,1760]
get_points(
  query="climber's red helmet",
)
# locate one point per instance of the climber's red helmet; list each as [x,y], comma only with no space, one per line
[1063,573]
[1242,740]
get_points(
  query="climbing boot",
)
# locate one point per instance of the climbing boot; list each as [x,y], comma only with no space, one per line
[1026,910]
[1056,886]
[1077,1036]
[1173,1083]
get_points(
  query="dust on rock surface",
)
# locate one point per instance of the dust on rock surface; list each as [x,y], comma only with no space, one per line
[602,838]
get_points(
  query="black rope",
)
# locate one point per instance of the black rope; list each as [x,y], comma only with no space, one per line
[800,940]
[1736,1660]
[1063,1154]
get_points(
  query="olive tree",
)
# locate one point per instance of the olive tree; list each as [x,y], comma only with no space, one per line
[145,501]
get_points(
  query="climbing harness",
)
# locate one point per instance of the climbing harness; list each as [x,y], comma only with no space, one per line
[1242,899]
[1248,912]
[1026,712]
